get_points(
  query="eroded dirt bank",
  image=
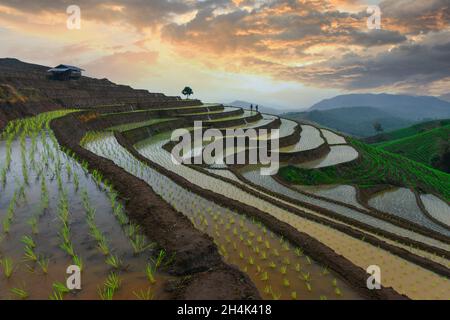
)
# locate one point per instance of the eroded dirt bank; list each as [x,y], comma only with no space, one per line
[196,259]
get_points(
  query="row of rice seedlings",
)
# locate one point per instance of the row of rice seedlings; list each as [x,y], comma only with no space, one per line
[29,249]
[7,265]
[8,219]
[154,265]
[132,230]
[255,242]
[111,259]
[66,243]
[23,153]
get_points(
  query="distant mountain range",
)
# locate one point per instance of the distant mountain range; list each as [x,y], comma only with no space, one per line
[354,121]
[356,114]
[406,107]
[265,109]
[445,97]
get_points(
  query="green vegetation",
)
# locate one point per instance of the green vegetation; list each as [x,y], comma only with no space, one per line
[376,167]
[187,91]
[409,131]
[430,147]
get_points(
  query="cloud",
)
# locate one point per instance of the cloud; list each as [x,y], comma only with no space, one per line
[321,43]
[409,67]
[117,66]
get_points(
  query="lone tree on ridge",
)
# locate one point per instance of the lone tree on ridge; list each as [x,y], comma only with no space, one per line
[378,127]
[187,91]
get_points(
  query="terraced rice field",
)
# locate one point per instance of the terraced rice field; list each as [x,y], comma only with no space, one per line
[311,139]
[437,208]
[54,214]
[284,234]
[337,155]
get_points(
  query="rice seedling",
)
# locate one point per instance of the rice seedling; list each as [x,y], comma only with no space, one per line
[308,287]
[337,291]
[306,276]
[298,252]
[106,293]
[150,273]
[103,247]
[144,295]
[113,281]
[78,261]
[265,276]
[294,295]
[6,226]
[139,244]
[8,267]
[29,254]
[20,293]
[286,282]
[28,241]
[33,222]
[68,248]
[114,261]
[43,263]
[60,288]
[159,260]
[283,270]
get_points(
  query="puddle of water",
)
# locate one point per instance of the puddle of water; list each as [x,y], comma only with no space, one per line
[252,174]
[337,155]
[333,138]
[310,139]
[437,208]
[402,202]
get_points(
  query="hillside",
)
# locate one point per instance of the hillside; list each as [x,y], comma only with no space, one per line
[401,106]
[355,121]
[407,132]
[377,167]
[430,147]
[25,90]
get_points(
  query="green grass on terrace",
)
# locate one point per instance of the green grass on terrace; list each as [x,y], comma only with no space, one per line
[411,131]
[377,167]
[424,147]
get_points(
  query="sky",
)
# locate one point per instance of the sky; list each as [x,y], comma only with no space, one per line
[287,53]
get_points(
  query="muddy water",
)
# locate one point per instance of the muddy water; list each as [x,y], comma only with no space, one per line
[337,155]
[437,208]
[27,274]
[402,202]
[279,270]
[310,139]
